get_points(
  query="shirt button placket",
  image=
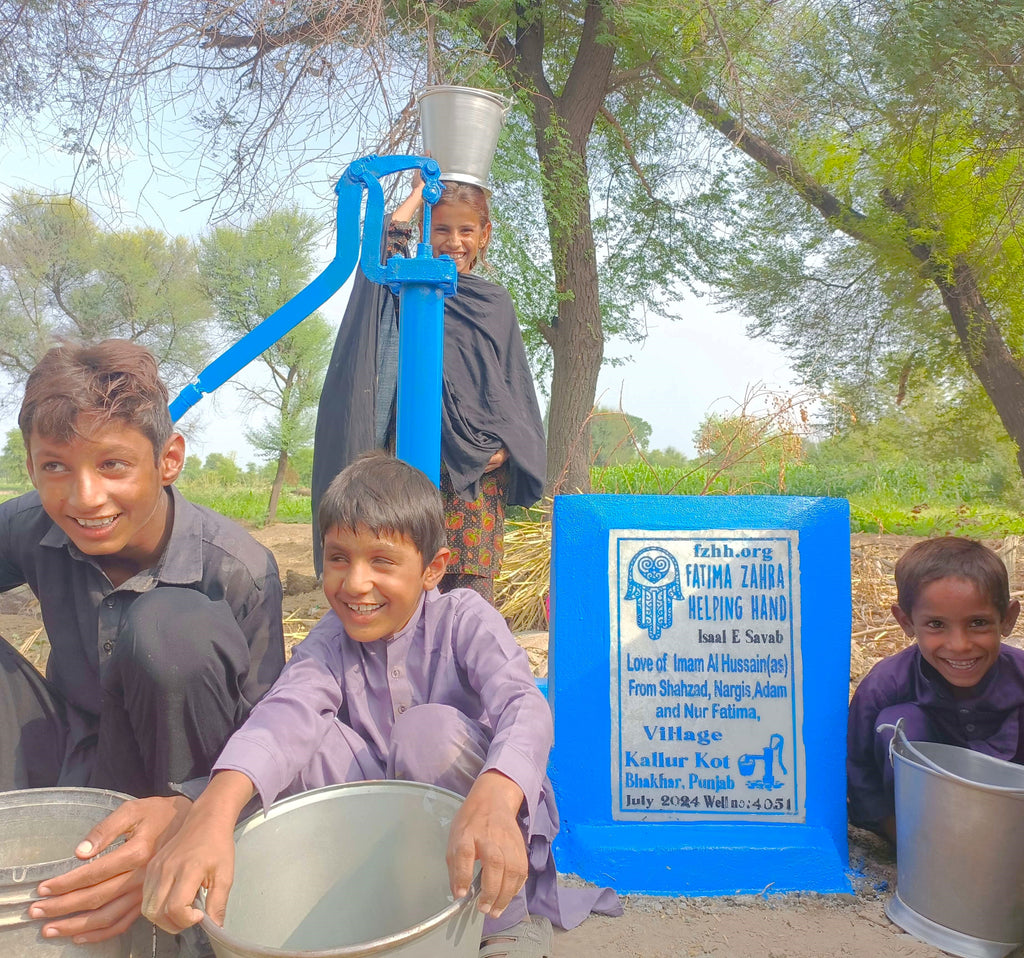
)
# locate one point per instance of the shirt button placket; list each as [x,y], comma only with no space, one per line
[108,624]
[399,690]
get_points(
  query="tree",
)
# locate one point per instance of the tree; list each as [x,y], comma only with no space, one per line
[616,437]
[891,135]
[12,459]
[595,191]
[223,468]
[249,274]
[61,275]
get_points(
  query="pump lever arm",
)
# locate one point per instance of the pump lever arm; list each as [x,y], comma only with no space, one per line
[362,173]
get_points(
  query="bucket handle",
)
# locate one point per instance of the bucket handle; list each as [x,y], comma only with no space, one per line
[924,760]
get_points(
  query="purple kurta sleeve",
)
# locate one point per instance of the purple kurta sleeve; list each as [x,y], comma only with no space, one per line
[890,682]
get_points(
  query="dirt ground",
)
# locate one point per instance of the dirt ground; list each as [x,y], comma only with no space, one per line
[770,926]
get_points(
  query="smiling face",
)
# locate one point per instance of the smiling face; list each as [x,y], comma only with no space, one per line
[105,491]
[374,582]
[958,629]
[456,230]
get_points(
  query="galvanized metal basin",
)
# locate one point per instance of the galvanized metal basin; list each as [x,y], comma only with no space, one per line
[960,848]
[460,128]
[39,829]
[345,871]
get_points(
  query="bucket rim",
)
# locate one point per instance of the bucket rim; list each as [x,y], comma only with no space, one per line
[374,946]
[34,872]
[900,747]
[504,101]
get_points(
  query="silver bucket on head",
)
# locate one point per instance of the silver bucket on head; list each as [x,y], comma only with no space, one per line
[460,128]
[39,829]
[346,871]
[960,848]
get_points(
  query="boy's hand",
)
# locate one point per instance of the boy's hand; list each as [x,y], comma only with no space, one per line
[103,897]
[201,855]
[485,829]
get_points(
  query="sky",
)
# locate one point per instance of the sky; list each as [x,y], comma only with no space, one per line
[701,360]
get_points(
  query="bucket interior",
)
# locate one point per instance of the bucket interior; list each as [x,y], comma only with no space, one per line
[342,866]
[39,829]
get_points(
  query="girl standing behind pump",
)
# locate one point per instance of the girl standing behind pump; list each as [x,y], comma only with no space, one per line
[492,437]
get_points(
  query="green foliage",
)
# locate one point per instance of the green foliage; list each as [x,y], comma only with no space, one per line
[12,460]
[896,256]
[249,275]
[669,457]
[247,503]
[616,436]
[220,470]
[62,275]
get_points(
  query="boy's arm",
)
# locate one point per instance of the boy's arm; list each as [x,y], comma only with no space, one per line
[486,827]
[201,855]
[869,803]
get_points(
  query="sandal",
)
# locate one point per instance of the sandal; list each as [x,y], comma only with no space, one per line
[531,938]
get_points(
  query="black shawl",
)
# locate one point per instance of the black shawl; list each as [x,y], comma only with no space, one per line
[488,398]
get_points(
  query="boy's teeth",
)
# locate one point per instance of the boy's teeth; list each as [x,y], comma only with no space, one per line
[363,608]
[95,523]
[961,665]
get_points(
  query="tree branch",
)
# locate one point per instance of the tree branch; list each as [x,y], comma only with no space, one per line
[628,144]
[839,214]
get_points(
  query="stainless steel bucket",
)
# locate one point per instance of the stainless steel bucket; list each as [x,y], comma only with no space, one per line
[39,829]
[348,870]
[960,848]
[460,128]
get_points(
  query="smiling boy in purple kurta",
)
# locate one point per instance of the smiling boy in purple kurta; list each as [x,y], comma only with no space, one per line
[958,684]
[397,681]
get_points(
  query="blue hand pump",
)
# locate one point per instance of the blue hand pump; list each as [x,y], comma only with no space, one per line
[421,283]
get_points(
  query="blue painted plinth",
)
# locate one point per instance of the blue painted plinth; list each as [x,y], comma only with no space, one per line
[639,588]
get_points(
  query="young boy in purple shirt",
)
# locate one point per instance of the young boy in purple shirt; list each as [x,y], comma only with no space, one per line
[398,681]
[958,684]
[164,621]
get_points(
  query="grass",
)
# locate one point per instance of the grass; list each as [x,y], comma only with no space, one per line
[248,504]
[908,498]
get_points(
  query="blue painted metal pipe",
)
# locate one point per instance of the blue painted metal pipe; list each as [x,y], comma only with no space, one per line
[421,283]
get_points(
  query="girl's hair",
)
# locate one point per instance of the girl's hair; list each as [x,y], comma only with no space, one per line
[956,558]
[473,196]
[385,495]
[115,380]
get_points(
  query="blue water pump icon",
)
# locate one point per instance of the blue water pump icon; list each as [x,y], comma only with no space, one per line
[771,753]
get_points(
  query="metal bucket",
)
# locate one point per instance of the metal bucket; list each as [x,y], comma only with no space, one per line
[39,829]
[460,130]
[960,848]
[348,870]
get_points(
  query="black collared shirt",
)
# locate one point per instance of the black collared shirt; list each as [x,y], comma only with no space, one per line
[82,611]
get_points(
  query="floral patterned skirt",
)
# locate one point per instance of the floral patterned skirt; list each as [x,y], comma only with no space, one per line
[476,532]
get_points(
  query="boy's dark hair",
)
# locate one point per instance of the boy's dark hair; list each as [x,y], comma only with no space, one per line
[115,380]
[951,556]
[386,495]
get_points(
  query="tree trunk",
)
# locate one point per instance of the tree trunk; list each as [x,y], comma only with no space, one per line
[983,345]
[562,125]
[577,345]
[275,489]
